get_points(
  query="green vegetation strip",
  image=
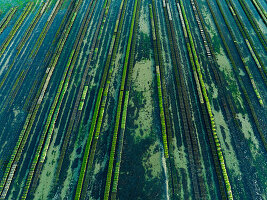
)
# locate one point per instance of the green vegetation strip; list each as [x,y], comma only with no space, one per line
[241,84]
[99,109]
[5,17]
[24,39]
[120,100]
[70,66]
[13,162]
[16,27]
[119,149]
[15,89]
[196,69]
[246,37]
[22,43]
[4,23]
[126,100]
[65,23]
[191,138]
[7,101]
[46,28]
[172,173]
[49,55]
[161,107]
[163,126]
[4,46]
[253,22]
[260,10]
[186,116]
[242,57]
[72,61]
[223,94]
[76,114]
[98,40]
[42,9]
[54,110]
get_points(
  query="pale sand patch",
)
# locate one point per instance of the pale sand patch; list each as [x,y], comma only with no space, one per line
[142,73]
[142,82]
[209,20]
[212,89]
[113,92]
[241,72]
[248,131]
[222,60]
[16,112]
[153,162]
[97,168]
[228,151]
[48,172]
[215,91]
[224,63]
[181,163]
[70,175]
[180,155]
[144,20]
[226,68]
